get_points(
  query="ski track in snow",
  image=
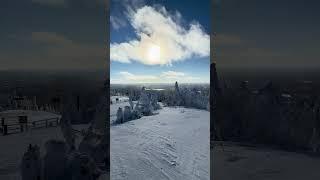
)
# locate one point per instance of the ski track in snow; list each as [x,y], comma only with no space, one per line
[173,144]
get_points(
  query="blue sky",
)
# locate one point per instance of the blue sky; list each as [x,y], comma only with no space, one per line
[159,41]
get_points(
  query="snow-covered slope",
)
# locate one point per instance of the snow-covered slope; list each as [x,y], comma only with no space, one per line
[173,144]
[13,146]
[240,162]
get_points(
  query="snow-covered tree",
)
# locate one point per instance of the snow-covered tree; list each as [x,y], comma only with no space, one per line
[131,103]
[55,160]
[31,164]
[119,115]
[127,114]
[66,128]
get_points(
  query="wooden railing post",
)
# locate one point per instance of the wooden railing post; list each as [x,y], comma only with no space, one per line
[5,130]
[2,121]
[2,125]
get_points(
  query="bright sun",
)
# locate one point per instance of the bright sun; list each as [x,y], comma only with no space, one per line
[154,53]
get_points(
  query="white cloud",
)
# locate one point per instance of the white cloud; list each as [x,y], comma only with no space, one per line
[117,23]
[172,74]
[156,27]
[137,78]
[125,77]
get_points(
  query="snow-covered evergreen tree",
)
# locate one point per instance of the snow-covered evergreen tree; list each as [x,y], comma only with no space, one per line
[127,114]
[119,115]
[31,164]
[55,160]
[131,103]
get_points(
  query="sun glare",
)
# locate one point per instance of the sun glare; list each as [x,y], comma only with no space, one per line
[154,53]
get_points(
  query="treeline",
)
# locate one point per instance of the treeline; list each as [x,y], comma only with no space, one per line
[268,116]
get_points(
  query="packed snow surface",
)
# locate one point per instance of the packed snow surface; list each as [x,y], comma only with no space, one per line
[173,144]
[248,162]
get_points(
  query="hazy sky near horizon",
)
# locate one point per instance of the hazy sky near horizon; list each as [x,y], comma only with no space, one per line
[159,41]
[267,34]
[53,35]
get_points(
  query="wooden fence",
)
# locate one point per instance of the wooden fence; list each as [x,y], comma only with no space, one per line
[14,128]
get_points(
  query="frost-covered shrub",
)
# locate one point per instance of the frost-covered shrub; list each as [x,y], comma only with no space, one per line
[147,103]
[119,115]
[81,166]
[127,114]
[55,160]
[136,114]
[131,103]
[31,164]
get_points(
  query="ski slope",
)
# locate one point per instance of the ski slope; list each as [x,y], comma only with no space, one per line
[173,144]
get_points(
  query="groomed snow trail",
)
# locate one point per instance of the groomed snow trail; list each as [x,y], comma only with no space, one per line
[173,144]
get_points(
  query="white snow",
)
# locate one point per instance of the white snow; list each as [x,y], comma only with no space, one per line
[114,108]
[13,146]
[173,144]
[240,162]
[120,99]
